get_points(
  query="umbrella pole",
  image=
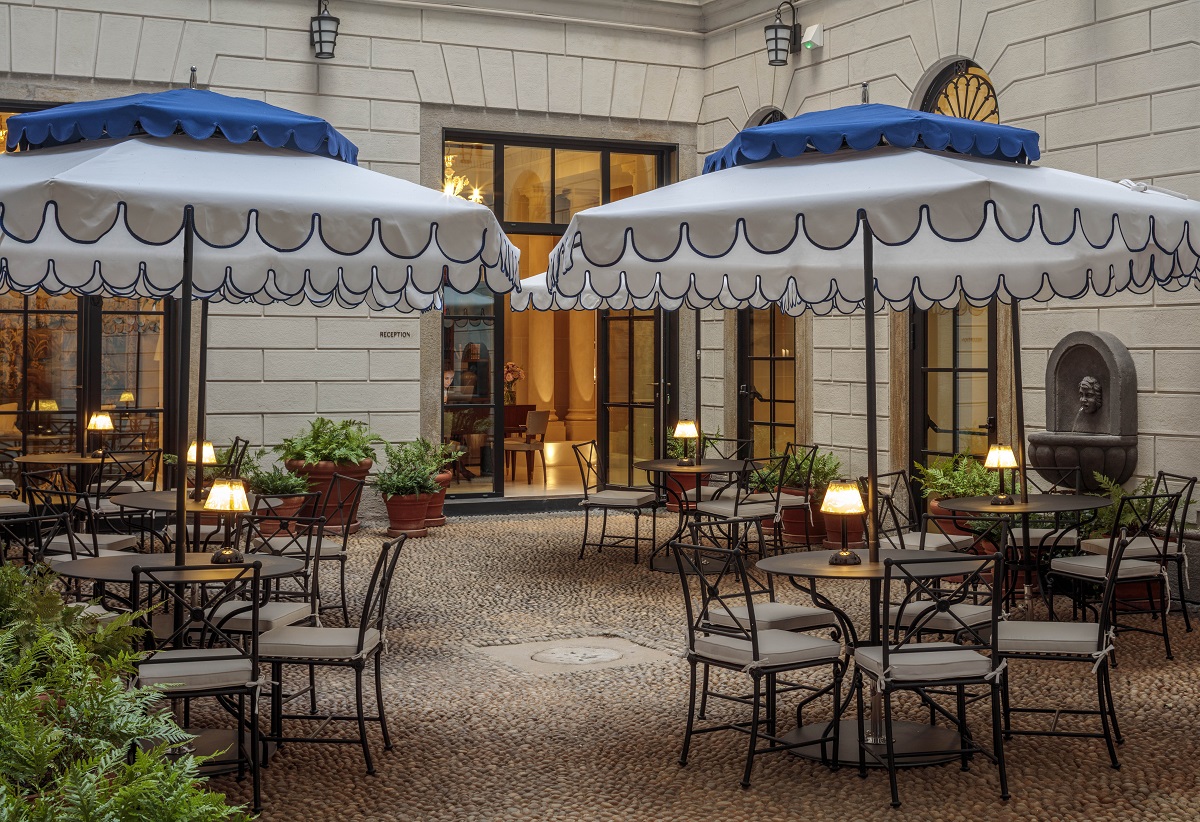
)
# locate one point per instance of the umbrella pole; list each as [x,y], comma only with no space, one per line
[181,401]
[201,400]
[872,413]
[1019,399]
[699,427]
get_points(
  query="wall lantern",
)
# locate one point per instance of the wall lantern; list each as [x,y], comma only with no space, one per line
[782,39]
[324,27]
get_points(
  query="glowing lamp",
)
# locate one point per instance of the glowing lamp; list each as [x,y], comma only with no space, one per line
[227,496]
[100,421]
[998,458]
[207,452]
[842,499]
[686,430]
[44,405]
[126,397]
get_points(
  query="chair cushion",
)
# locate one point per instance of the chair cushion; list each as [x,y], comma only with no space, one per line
[1093,566]
[775,648]
[10,507]
[66,557]
[969,613]
[271,615]
[102,614]
[128,486]
[61,544]
[1036,535]
[7,486]
[217,669]
[1047,637]
[513,445]
[934,540]
[793,501]
[617,499]
[726,508]
[779,616]
[1138,548]
[299,642]
[701,492]
[207,530]
[925,661]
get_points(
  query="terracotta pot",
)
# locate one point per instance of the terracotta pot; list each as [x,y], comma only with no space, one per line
[319,476]
[435,518]
[796,519]
[678,482]
[406,514]
[834,525]
[949,528]
[280,507]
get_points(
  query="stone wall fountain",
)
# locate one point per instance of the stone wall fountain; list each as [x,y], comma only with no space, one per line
[1091,411]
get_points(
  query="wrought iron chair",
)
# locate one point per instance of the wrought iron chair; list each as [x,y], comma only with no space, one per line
[898,521]
[604,499]
[744,499]
[906,663]
[725,631]
[82,537]
[344,494]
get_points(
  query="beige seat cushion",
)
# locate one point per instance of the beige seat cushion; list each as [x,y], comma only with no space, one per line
[612,498]
[1138,548]
[195,670]
[925,661]
[7,486]
[775,648]
[10,507]
[779,616]
[1043,536]
[963,613]
[271,615]
[728,508]
[934,540]
[1047,637]
[104,552]
[61,544]
[1093,566]
[299,642]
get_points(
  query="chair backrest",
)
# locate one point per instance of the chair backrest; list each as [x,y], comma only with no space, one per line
[1184,486]
[303,504]
[294,536]
[587,454]
[203,632]
[928,587]
[985,537]
[32,533]
[536,423]
[800,467]
[739,534]
[896,505]
[766,470]
[1146,515]
[1063,480]
[344,494]
[374,613]
[52,479]
[117,467]
[237,457]
[725,448]
[714,581]
[47,504]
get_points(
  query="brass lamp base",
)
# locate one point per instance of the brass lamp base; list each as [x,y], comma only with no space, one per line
[227,556]
[845,557]
[685,461]
[1003,499]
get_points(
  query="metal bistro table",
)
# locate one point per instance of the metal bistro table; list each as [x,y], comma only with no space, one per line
[79,463]
[661,558]
[163,502]
[803,569]
[1031,506]
[120,569]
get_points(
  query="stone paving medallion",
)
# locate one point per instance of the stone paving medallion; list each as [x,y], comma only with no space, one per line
[572,655]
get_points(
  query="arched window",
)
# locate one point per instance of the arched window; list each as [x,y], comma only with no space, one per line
[963,89]
[766,114]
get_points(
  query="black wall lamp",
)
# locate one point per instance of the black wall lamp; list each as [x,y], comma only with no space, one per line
[783,39]
[324,27]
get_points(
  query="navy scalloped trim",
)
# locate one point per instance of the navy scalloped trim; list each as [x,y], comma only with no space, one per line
[862,128]
[197,113]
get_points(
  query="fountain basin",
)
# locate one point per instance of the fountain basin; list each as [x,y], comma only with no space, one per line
[1054,453]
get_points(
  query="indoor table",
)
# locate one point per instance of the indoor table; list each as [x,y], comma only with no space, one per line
[661,558]
[1023,508]
[803,569]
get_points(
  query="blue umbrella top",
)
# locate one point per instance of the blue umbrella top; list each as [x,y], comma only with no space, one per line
[862,128]
[197,113]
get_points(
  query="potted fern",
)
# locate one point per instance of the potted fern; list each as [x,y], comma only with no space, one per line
[804,480]
[408,486]
[326,448]
[440,456]
[959,476]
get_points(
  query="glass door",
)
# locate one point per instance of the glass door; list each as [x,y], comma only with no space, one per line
[637,400]
[766,380]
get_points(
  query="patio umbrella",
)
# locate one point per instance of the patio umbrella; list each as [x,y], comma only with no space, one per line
[871,206]
[195,195]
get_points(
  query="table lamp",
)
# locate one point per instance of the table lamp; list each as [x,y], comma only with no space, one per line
[843,499]
[229,497]
[44,405]
[207,453]
[686,430]
[1001,457]
[126,397]
[100,421]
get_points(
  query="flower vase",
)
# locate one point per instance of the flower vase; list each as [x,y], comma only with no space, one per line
[510,396]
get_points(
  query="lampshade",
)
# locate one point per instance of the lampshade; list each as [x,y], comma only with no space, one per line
[126,396]
[209,455]
[1000,456]
[779,41]
[100,421]
[686,430]
[44,405]
[324,30]
[842,497]
[227,495]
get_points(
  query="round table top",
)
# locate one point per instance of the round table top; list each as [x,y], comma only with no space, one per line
[1036,504]
[158,501]
[717,466]
[120,569]
[815,564]
[58,458]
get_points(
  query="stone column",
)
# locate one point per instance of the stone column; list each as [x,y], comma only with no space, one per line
[581,409]
[539,370]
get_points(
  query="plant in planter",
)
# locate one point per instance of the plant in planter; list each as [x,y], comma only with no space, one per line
[803,479]
[440,456]
[69,722]
[343,447]
[408,485]
[959,476]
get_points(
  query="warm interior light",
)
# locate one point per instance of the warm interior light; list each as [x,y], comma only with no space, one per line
[686,430]
[842,497]
[126,396]
[227,495]
[100,421]
[1000,456]
[44,405]
[208,453]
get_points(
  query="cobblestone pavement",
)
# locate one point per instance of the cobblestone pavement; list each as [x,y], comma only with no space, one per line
[479,739]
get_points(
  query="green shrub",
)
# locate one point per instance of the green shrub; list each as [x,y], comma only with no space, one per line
[345,441]
[959,476]
[277,480]
[410,468]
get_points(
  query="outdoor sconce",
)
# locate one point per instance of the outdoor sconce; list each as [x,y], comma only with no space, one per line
[207,453]
[686,430]
[1000,457]
[842,499]
[324,28]
[782,39]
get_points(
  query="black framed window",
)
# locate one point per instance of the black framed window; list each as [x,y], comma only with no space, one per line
[766,379]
